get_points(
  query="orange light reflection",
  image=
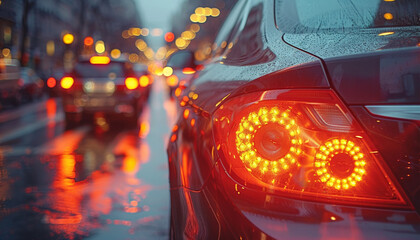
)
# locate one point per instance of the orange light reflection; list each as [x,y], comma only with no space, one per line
[172,80]
[191,224]
[73,203]
[144,129]
[51,106]
[186,113]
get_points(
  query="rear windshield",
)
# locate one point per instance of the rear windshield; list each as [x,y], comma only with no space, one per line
[302,16]
[111,70]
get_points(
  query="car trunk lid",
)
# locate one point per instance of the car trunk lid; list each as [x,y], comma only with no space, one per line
[379,78]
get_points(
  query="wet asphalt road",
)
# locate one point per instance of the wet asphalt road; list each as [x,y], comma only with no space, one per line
[102,181]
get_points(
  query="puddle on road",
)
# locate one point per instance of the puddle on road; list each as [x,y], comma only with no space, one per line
[83,185]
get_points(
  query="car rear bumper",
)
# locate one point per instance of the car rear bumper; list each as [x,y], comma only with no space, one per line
[224,209]
[8,94]
[121,104]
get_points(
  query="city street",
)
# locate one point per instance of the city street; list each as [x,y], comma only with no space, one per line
[96,181]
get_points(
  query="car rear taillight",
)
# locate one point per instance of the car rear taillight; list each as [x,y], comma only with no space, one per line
[67,82]
[131,83]
[51,82]
[188,70]
[302,144]
[99,60]
[144,81]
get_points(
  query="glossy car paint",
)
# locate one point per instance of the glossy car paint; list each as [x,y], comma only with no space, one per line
[208,203]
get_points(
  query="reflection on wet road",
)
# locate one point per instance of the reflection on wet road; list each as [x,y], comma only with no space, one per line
[84,183]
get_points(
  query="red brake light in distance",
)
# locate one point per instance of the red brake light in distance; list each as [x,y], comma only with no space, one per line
[131,83]
[67,82]
[88,41]
[99,60]
[188,70]
[169,37]
[51,82]
[302,143]
[144,81]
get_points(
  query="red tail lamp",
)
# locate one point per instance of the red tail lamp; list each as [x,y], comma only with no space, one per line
[267,142]
[67,82]
[340,164]
[51,82]
[88,41]
[188,70]
[131,83]
[303,144]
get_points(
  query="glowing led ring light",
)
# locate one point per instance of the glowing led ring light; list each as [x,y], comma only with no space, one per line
[281,135]
[340,164]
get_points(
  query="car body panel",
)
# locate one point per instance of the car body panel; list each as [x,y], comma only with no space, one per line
[225,209]
[200,182]
[229,71]
[373,78]
[398,140]
[352,43]
[212,88]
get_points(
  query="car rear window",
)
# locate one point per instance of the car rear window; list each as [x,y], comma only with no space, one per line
[88,70]
[302,16]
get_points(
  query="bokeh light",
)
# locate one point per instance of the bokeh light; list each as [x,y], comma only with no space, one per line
[169,37]
[100,47]
[88,41]
[144,81]
[141,44]
[133,58]
[115,53]
[50,48]
[68,38]
[167,71]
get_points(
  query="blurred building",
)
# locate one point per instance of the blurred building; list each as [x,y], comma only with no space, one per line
[33,30]
[49,21]
[9,27]
[106,20]
[208,16]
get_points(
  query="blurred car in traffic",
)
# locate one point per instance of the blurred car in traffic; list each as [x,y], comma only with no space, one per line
[9,82]
[304,124]
[100,85]
[31,85]
[180,69]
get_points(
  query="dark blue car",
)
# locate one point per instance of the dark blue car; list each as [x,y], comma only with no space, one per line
[304,125]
